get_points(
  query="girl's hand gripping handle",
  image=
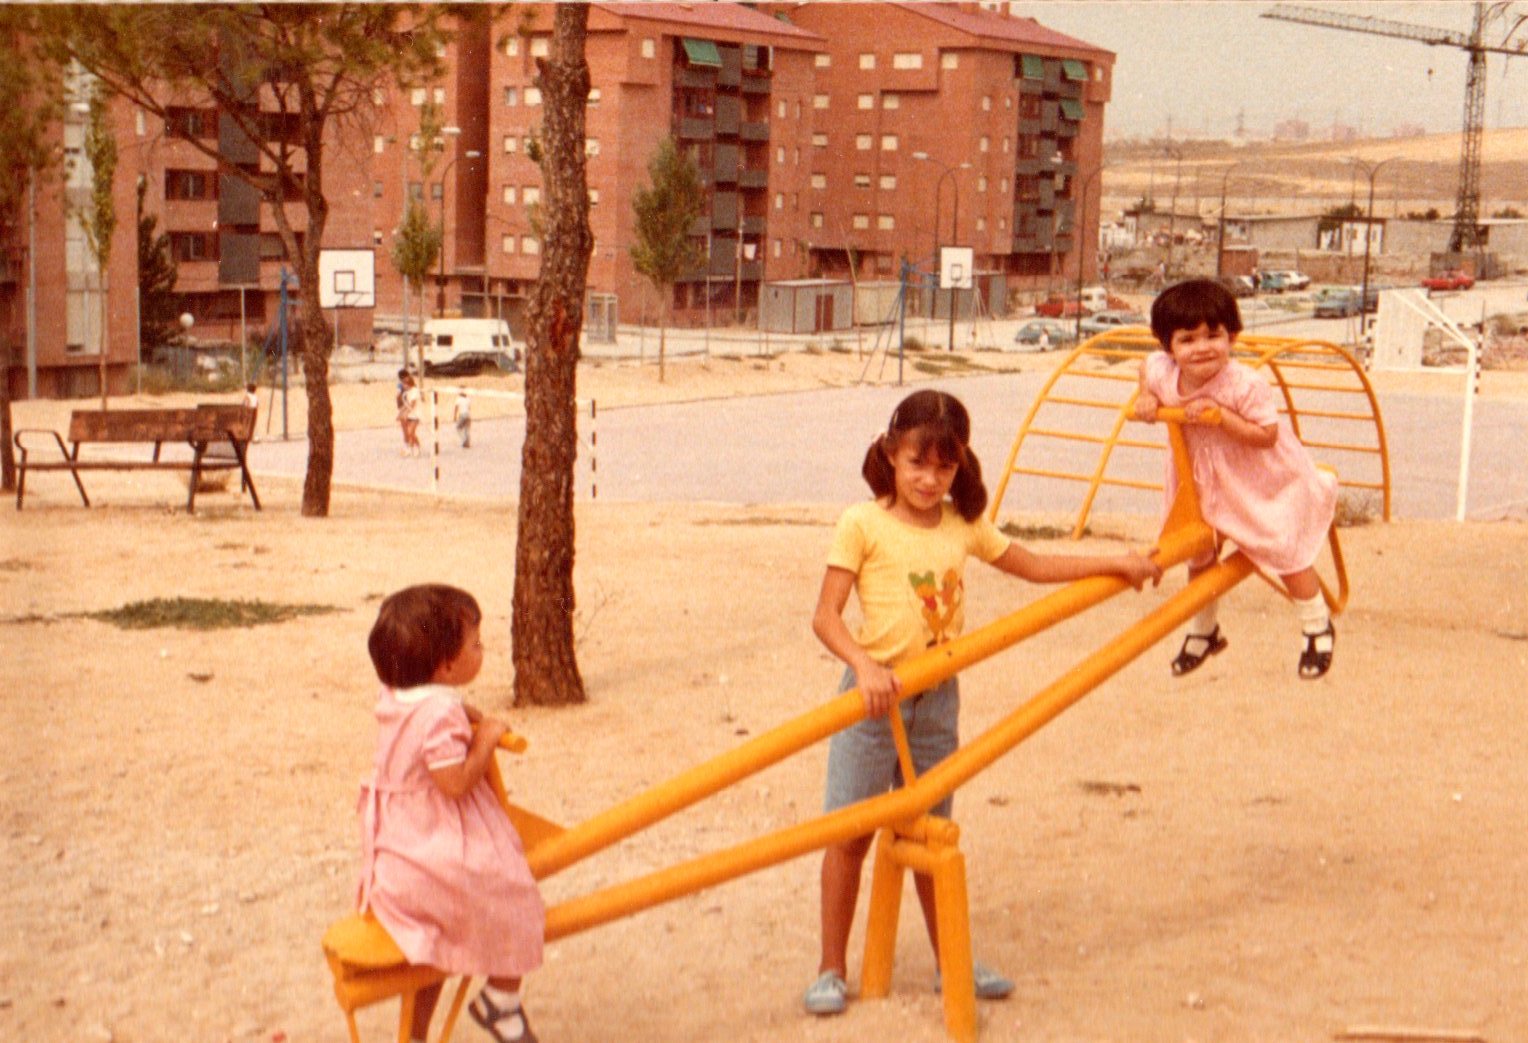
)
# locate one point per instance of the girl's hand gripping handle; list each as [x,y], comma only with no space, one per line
[1198,411]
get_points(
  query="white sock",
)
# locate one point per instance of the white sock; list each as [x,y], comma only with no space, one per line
[1313,615]
[503,999]
[1205,621]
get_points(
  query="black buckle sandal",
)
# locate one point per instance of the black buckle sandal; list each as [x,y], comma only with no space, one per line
[1188,662]
[1315,662]
[490,1015]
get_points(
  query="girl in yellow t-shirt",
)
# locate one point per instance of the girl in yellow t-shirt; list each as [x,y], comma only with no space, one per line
[904,553]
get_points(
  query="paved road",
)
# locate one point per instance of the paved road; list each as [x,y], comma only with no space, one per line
[806,447]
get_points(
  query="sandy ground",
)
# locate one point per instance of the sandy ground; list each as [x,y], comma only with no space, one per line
[1235,856]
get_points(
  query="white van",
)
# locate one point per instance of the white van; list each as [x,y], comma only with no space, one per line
[1094,299]
[444,339]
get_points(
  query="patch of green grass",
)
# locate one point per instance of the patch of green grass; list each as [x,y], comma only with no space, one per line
[203,613]
[1039,532]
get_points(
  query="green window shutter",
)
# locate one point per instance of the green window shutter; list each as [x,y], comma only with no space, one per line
[1074,70]
[1034,67]
[702,52]
[1071,108]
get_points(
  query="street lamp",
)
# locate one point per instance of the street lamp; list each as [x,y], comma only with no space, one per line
[1172,215]
[1371,171]
[1082,235]
[946,171]
[1220,232]
[440,287]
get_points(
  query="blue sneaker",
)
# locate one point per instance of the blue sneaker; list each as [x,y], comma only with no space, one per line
[990,985]
[829,994]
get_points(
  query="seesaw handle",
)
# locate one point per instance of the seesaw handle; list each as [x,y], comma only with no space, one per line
[1177,415]
[512,742]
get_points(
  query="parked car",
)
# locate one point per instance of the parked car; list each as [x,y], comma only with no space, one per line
[1112,319]
[1240,286]
[1290,280]
[1453,279]
[1057,307]
[1053,332]
[472,364]
[1337,302]
[1273,282]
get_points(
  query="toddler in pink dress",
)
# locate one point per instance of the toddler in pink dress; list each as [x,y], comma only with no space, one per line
[442,867]
[1257,485]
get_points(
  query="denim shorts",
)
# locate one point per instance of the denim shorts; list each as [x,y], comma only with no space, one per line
[862,759]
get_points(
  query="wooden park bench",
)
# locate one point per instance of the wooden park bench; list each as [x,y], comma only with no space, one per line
[219,428]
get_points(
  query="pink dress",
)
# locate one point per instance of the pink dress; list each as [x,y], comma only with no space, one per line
[447,878]
[1274,503]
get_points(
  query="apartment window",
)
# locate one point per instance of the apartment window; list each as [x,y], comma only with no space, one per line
[986,103]
[511,95]
[907,60]
[981,224]
[891,101]
[531,195]
[888,182]
[1002,224]
[1007,102]
[861,180]
[191,123]
[1005,145]
[649,48]
[780,109]
[417,96]
[510,194]
[985,144]
[529,244]
[1002,186]
[378,145]
[820,140]
[188,184]
[816,219]
[512,45]
[376,190]
[819,101]
[867,61]
[194,246]
[437,190]
[777,248]
[823,61]
[541,46]
[591,147]
[376,237]
[949,60]
[416,189]
[779,200]
[861,221]
[378,96]
[511,144]
[981,183]
[533,95]
[139,126]
[867,101]
[440,95]
[594,197]
[888,142]
[885,222]
[507,244]
[594,97]
[780,154]
[863,142]
[819,181]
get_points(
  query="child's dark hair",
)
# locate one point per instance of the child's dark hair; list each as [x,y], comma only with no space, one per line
[1188,305]
[418,630]
[936,422]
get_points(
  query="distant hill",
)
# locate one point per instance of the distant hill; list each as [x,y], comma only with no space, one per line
[1313,176]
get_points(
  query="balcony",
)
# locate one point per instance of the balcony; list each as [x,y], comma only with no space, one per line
[753,179]
[755,225]
[729,113]
[694,76]
[692,129]
[754,131]
[751,271]
[755,81]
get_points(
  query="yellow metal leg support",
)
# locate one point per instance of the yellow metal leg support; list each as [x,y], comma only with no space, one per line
[881,923]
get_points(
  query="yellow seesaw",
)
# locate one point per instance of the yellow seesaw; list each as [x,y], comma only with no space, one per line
[368,967]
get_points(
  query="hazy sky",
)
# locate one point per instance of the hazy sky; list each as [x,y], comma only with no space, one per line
[1202,63]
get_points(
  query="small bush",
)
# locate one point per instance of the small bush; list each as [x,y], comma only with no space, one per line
[913,344]
[1038,532]
[1356,507]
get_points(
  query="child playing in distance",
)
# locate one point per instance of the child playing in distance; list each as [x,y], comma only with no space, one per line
[461,413]
[408,412]
[904,553]
[1257,485]
[442,867]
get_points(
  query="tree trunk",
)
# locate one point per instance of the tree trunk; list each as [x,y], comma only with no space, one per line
[105,340]
[546,669]
[663,310]
[7,448]
[315,373]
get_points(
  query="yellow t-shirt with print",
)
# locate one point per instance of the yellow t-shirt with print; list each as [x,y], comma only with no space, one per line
[910,580]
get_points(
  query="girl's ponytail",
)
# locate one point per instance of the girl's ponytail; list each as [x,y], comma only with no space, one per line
[968,491]
[877,468]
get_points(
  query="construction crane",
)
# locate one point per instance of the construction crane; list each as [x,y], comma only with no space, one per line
[1466,234]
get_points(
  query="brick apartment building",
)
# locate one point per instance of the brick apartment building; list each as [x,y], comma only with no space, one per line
[824,132]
